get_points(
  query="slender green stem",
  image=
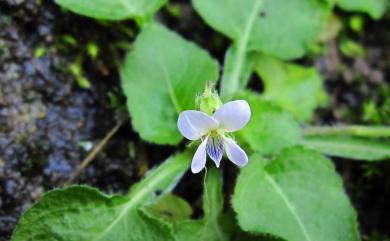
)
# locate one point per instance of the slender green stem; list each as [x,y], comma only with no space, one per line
[233,83]
[355,130]
[212,204]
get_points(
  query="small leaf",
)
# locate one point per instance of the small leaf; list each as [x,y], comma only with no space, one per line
[331,29]
[351,48]
[298,197]
[374,8]
[270,129]
[296,88]
[189,230]
[170,207]
[209,227]
[231,227]
[139,10]
[82,213]
[350,147]
[161,78]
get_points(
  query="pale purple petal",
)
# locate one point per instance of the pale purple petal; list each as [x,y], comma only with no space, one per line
[235,153]
[194,124]
[215,149]
[199,159]
[233,115]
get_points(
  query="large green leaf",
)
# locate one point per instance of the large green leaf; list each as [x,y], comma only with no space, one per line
[279,28]
[82,213]
[296,88]
[161,77]
[139,10]
[276,27]
[375,8]
[270,129]
[298,196]
[350,147]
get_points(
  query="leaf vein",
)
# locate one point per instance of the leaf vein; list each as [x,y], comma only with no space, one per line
[290,206]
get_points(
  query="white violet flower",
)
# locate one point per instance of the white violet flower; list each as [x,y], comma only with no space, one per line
[230,117]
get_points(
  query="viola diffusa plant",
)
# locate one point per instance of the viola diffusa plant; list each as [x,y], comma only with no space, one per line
[286,188]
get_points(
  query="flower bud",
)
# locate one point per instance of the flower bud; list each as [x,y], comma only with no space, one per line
[209,101]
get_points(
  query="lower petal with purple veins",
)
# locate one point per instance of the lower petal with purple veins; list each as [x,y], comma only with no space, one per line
[215,148]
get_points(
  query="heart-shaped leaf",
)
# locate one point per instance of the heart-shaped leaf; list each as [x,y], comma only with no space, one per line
[161,77]
[298,197]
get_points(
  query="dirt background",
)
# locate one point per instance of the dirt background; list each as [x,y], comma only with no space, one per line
[48,123]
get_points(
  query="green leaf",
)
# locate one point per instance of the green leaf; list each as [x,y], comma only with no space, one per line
[270,129]
[331,29]
[298,197]
[351,48]
[230,225]
[374,8]
[350,147]
[82,213]
[296,88]
[280,28]
[170,207]
[161,78]
[206,229]
[189,230]
[193,230]
[209,227]
[139,10]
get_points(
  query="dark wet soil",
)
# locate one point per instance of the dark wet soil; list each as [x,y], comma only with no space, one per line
[48,122]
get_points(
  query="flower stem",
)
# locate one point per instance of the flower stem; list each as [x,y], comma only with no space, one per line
[212,205]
